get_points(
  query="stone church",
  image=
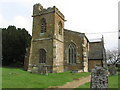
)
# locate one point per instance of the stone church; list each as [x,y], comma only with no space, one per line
[55,49]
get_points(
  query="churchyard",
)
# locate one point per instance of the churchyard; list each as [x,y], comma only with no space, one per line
[18,78]
[113,82]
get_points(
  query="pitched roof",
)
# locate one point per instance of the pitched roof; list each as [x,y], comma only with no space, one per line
[75,32]
[96,50]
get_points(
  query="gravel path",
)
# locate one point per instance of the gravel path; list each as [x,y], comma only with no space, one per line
[74,84]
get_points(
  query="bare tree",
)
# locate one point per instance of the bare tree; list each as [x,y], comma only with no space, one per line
[112,60]
[112,56]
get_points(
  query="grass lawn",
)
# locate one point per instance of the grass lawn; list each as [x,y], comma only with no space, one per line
[112,82]
[0,78]
[18,78]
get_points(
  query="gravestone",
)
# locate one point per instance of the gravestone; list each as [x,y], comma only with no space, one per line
[43,69]
[74,71]
[40,69]
[35,69]
[112,69]
[99,78]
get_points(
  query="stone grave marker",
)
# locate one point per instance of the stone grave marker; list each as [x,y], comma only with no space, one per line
[43,70]
[112,70]
[35,69]
[99,78]
[40,69]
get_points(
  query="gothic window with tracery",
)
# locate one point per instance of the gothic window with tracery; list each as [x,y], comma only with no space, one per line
[72,54]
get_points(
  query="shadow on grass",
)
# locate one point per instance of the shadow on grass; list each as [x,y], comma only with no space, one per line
[11,67]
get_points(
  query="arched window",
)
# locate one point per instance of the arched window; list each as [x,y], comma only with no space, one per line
[42,56]
[72,54]
[43,25]
[60,28]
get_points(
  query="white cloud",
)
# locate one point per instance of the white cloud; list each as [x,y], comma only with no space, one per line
[1,19]
[21,22]
[18,21]
[3,22]
[111,41]
[13,1]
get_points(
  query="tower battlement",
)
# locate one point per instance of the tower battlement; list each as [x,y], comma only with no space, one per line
[39,10]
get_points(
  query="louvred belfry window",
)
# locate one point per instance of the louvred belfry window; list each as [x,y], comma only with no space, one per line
[60,28]
[43,25]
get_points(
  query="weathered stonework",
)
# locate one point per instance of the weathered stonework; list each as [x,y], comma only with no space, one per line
[51,41]
[99,78]
[56,43]
[85,54]
[93,63]
[79,40]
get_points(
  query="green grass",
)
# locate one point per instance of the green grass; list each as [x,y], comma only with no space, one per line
[18,78]
[86,85]
[118,69]
[112,82]
[0,78]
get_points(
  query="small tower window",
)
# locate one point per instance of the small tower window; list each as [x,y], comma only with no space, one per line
[60,28]
[43,25]
[42,56]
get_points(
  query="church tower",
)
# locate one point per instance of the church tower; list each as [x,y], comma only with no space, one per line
[47,44]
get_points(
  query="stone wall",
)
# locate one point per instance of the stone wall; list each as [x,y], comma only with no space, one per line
[93,63]
[58,42]
[58,56]
[99,78]
[85,45]
[26,60]
[34,53]
[77,39]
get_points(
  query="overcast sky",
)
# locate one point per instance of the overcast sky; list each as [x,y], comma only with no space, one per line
[86,16]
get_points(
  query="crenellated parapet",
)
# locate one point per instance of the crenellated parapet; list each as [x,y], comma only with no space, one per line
[39,10]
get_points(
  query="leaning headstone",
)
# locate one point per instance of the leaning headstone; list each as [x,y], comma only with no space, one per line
[99,78]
